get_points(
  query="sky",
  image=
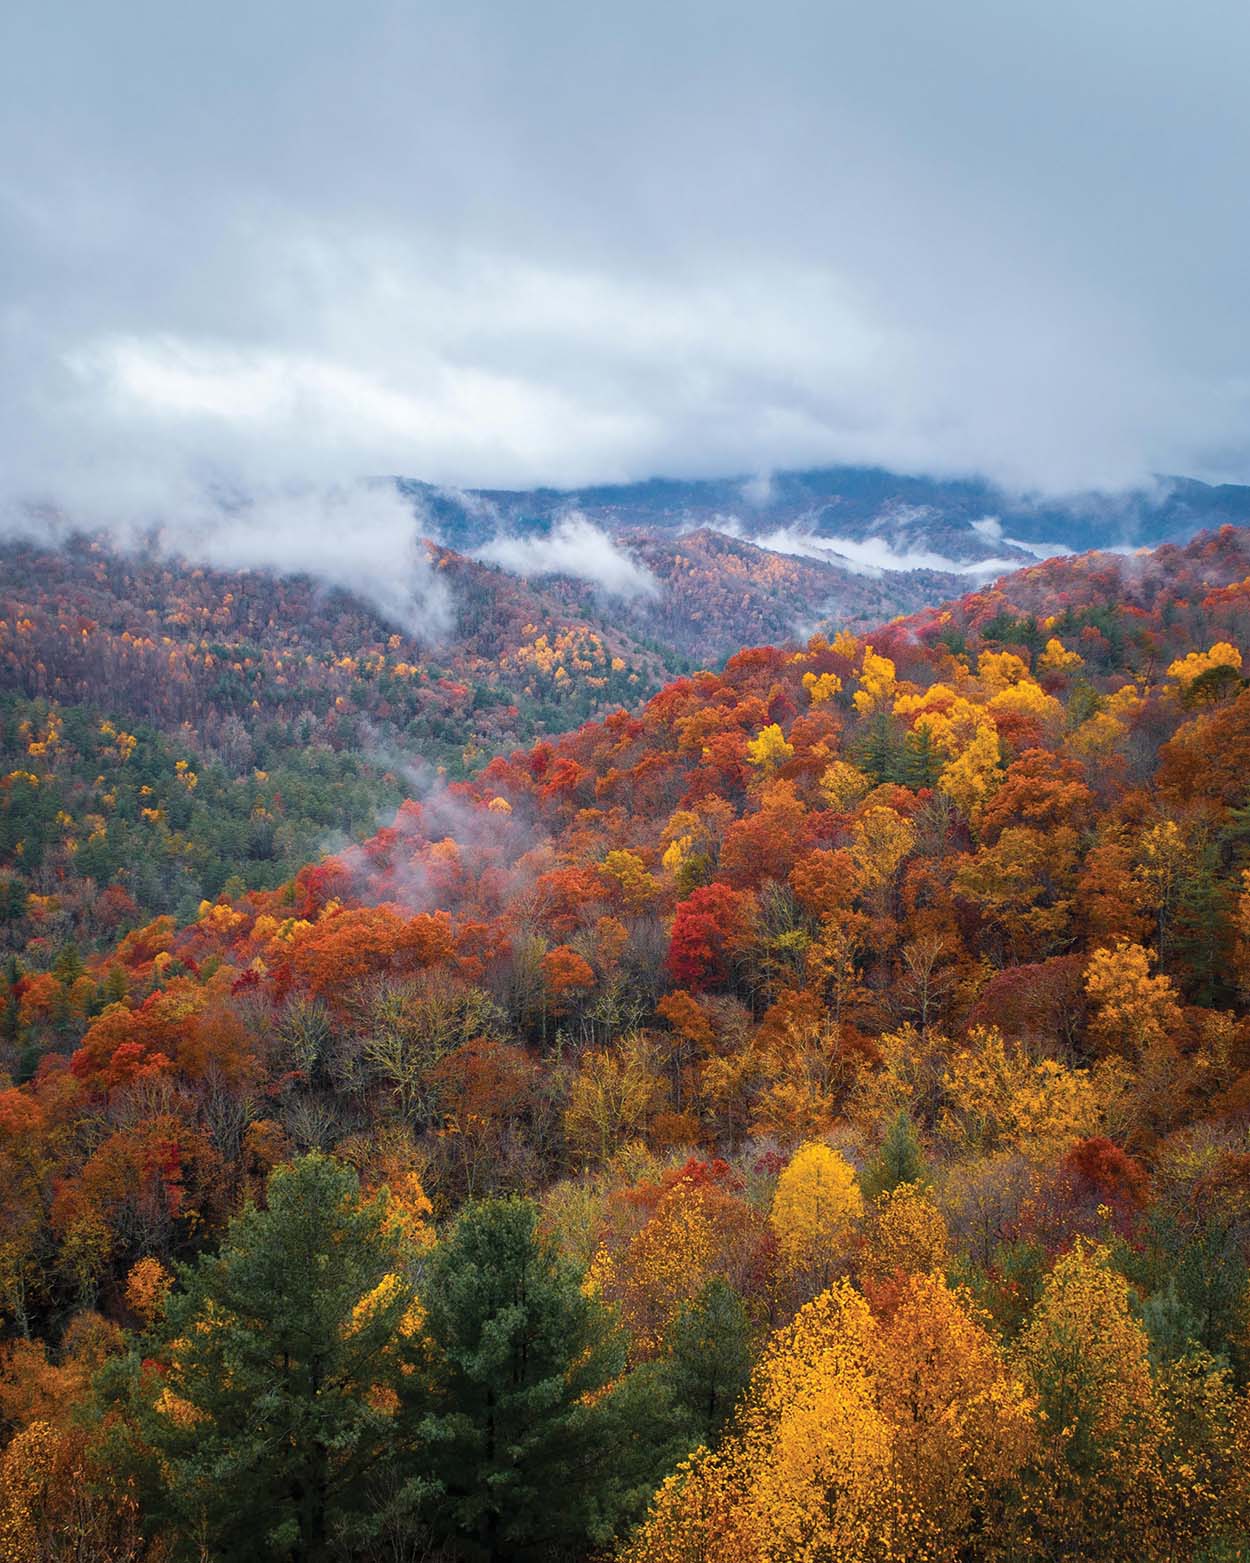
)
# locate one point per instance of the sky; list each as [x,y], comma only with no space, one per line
[249,250]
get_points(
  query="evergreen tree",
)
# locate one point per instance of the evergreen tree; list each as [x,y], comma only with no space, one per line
[900,1159]
[707,1359]
[879,752]
[517,1446]
[1201,1301]
[11,1017]
[281,1384]
[922,760]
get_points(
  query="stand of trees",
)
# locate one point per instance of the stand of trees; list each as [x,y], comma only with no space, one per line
[806,1117]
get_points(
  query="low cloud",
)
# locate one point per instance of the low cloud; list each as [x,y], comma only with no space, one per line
[872,555]
[363,537]
[574,546]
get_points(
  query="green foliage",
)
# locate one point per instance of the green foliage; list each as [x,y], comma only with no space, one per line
[516,1447]
[707,1359]
[900,1159]
[282,1386]
[1201,1301]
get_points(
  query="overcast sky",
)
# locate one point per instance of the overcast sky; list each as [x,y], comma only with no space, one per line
[512,243]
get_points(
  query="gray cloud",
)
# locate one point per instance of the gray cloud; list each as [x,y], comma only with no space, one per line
[268,248]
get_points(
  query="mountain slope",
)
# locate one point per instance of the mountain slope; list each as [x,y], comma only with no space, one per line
[875,1013]
[905,513]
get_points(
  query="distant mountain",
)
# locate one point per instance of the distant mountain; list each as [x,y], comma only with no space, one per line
[897,520]
[719,593]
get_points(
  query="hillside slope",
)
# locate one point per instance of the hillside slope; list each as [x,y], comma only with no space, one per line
[876,1013]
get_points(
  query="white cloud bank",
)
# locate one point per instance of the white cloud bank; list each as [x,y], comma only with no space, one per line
[363,537]
[873,555]
[574,546]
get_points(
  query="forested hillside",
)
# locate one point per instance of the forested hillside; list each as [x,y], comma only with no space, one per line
[167,730]
[805,1116]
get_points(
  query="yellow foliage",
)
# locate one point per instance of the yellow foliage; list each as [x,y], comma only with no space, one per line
[858,1442]
[1220,655]
[1097,736]
[882,838]
[676,853]
[821,687]
[1057,656]
[876,682]
[998,670]
[409,1210]
[1099,1483]
[1133,1011]
[147,1286]
[613,1097]
[962,1424]
[816,1203]
[954,723]
[844,785]
[1027,698]
[664,1266]
[638,887]
[972,777]
[997,1098]
[907,1232]
[770,749]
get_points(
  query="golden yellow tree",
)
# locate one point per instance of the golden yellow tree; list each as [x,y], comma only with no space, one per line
[1098,1489]
[815,1205]
[962,1427]
[1133,1011]
[906,1233]
[805,1478]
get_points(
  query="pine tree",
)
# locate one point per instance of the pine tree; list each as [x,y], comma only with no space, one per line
[922,760]
[517,1446]
[900,1159]
[707,1359]
[879,752]
[281,1379]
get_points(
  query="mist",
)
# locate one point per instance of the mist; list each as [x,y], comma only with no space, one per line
[573,546]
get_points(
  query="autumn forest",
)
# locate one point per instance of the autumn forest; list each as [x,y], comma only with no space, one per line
[788,1113]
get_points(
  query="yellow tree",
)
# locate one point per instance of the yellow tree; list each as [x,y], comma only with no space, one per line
[962,1426]
[638,887]
[613,1098]
[995,1097]
[805,1477]
[1134,1013]
[1099,1478]
[882,838]
[973,775]
[906,1233]
[843,785]
[876,682]
[770,750]
[815,1205]
[666,1264]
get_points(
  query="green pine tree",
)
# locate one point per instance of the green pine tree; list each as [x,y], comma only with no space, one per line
[707,1359]
[900,1159]
[280,1395]
[922,760]
[518,1454]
